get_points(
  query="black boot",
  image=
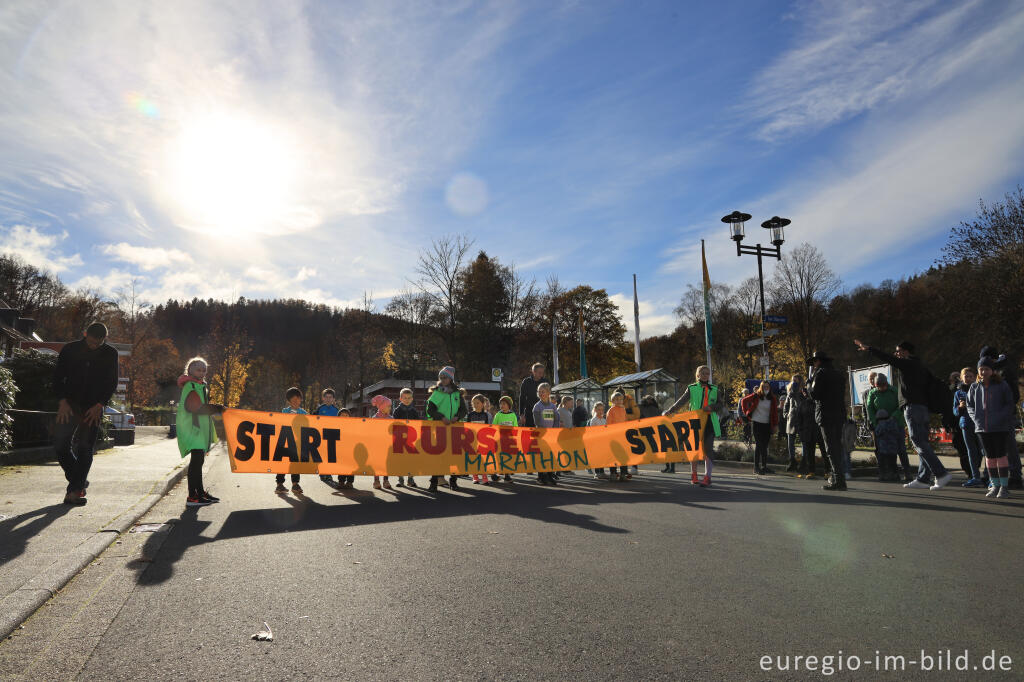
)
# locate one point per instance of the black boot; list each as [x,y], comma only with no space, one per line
[835,482]
[453,482]
[433,485]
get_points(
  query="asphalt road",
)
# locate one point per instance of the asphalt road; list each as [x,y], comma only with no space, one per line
[652,579]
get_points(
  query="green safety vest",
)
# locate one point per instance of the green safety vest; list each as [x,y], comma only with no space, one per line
[503,419]
[195,431]
[447,403]
[697,403]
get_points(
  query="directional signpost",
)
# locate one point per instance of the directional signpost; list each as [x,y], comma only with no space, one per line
[776,319]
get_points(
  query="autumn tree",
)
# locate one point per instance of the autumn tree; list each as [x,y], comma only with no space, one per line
[440,271]
[155,363]
[802,288]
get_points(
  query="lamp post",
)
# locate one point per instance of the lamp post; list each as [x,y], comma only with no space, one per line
[776,225]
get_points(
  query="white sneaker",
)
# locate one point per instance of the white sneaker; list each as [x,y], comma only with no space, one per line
[1003,492]
[941,481]
[993,491]
[915,484]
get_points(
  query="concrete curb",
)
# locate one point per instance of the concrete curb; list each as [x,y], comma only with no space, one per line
[16,607]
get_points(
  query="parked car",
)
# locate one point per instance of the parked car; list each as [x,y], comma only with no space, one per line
[120,420]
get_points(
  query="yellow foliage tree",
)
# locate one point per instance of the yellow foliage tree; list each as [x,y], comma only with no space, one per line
[228,384]
[387,358]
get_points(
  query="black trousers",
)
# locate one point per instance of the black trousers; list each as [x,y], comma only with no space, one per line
[762,436]
[295,478]
[832,434]
[195,473]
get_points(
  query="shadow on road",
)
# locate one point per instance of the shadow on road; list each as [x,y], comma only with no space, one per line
[163,549]
[530,502]
[16,531]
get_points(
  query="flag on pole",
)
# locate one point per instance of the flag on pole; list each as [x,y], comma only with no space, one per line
[707,303]
[583,350]
[636,325]
[707,298]
[554,351]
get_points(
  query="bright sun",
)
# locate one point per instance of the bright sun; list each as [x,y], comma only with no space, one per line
[231,176]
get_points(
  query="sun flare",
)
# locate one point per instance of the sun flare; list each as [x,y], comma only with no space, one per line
[232,176]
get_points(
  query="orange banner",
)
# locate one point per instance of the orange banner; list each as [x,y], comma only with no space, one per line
[272,442]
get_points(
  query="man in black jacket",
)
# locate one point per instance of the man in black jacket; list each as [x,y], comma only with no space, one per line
[528,394]
[914,380]
[84,380]
[827,386]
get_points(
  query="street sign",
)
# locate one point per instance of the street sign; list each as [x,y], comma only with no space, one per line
[758,342]
[764,361]
[776,319]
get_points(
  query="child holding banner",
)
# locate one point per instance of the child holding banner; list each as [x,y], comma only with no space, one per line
[406,410]
[327,408]
[616,415]
[445,404]
[345,481]
[505,417]
[195,428]
[294,397]
[383,405]
[480,415]
[597,419]
[705,397]
[545,416]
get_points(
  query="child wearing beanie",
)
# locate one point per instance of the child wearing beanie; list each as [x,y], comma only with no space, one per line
[445,404]
[990,404]
[383,405]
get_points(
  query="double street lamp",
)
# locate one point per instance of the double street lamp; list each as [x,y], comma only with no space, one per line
[777,226]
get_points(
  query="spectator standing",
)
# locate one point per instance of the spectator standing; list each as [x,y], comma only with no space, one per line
[791,413]
[84,380]
[810,435]
[971,444]
[883,397]
[1007,370]
[827,386]
[991,406]
[528,394]
[762,409]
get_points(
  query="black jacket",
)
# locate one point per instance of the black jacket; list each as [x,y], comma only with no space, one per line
[528,398]
[649,408]
[827,386]
[405,412]
[85,377]
[914,377]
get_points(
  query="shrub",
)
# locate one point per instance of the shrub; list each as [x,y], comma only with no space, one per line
[8,390]
[33,374]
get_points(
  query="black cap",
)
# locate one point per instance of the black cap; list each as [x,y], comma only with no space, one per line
[819,355]
[907,346]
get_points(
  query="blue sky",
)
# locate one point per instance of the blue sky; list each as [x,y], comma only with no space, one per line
[310,150]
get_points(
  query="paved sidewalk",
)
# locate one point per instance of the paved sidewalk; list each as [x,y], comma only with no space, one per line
[44,543]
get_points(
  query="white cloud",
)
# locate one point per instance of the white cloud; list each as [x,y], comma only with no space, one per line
[656,318]
[243,118]
[851,57]
[146,257]
[110,282]
[37,248]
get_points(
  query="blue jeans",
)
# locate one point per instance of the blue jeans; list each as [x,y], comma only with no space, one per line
[917,423]
[75,459]
[791,444]
[973,447]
